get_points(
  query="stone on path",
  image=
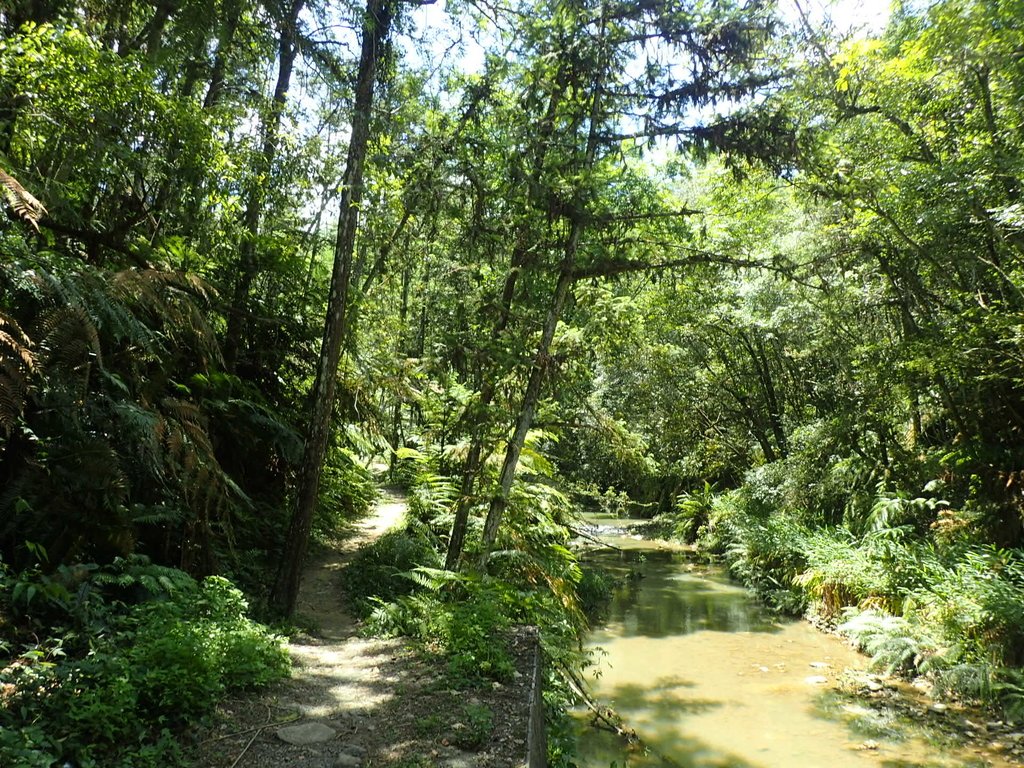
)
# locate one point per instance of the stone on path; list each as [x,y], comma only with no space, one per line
[306,733]
[459,761]
[347,761]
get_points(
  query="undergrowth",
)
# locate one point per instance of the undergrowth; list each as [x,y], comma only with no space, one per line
[918,600]
[465,619]
[106,666]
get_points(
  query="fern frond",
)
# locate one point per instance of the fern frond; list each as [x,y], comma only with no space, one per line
[172,301]
[155,515]
[139,426]
[435,579]
[190,460]
[21,201]
[17,364]
[137,570]
[69,338]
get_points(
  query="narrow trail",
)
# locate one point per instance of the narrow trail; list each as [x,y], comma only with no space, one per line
[327,706]
[354,702]
[320,597]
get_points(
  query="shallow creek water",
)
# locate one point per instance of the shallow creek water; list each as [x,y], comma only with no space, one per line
[710,679]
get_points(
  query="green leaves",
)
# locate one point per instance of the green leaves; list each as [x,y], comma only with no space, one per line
[116,685]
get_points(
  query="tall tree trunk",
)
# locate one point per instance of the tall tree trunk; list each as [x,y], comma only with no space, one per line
[154,31]
[376,26]
[472,464]
[225,44]
[538,372]
[249,265]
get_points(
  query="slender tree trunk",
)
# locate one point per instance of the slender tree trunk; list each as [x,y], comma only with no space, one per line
[774,410]
[566,277]
[401,350]
[376,25]
[225,44]
[531,398]
[471,467]
[249,265]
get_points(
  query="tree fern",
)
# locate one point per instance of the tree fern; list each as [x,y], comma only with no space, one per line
[21,201]
[104,347]
[17,365]
[172,302]
[69,342]
[190,458]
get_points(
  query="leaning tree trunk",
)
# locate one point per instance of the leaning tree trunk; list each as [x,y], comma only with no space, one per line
[376,25]
[472,465]
[538,373]
[531,398]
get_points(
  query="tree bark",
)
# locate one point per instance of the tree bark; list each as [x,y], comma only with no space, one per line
[376,26]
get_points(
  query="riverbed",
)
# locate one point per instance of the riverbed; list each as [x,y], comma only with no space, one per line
[709,678]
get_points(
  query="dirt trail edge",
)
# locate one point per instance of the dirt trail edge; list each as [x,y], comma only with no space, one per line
[351,701]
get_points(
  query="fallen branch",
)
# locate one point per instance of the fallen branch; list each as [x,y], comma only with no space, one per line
[607,719]
[605,715]
[256,728]
[591,537]
[246,748]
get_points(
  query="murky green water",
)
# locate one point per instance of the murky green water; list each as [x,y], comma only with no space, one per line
[709,679]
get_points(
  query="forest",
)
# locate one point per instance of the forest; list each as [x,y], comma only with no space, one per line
[714,262]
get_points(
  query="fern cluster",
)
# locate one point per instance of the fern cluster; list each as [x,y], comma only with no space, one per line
[114,434]
[951,610]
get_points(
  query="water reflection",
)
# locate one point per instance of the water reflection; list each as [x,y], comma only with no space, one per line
[663,595]
[708,678]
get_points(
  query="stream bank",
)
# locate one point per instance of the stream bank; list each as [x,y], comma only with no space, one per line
[709,678]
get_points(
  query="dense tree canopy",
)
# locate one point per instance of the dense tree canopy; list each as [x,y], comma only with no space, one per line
[638,253]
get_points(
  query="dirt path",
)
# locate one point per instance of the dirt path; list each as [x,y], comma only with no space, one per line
[354,702]
[320,597]
[338,682]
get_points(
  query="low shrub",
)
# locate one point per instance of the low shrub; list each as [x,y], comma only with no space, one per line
[595,590]
[693,511]
[116,690]
[475,639]
[961,621]
[767,555]
[376,573]
[841,572]
[891,641]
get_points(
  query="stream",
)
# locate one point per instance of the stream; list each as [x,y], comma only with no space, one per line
[709,678]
